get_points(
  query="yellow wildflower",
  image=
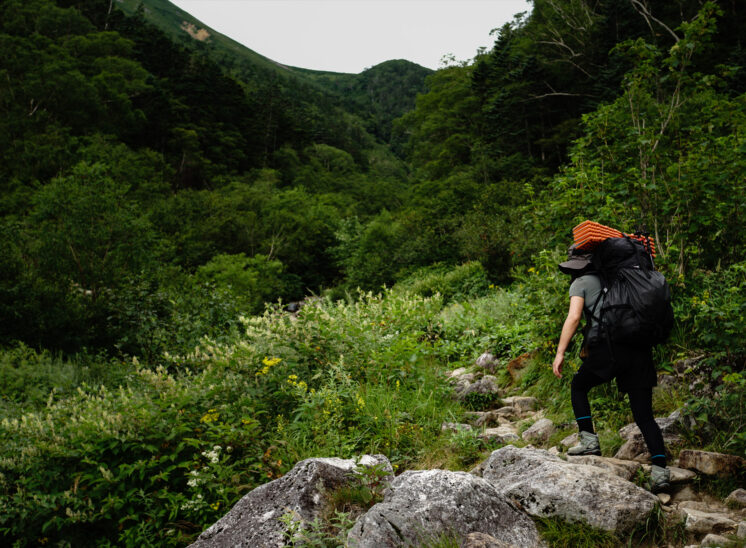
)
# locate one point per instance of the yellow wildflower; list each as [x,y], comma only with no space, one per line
[268,364]
[211,416]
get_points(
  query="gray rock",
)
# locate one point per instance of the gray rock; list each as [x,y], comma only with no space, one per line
[466,385]
[711,506]
[508,412]
[570,440]
[665,498]
[456,373]
[488,362]
[715,540]
[698,522]
[254,520]
[454,427]
[483,540]
[687,365]
[684,494]
[635,449]
[462,382]
[502,434]
[681,475]
[714,464]
[521,403]
[737,498]
[539,432]
[666,381]
[554,450]
[485,385]
[625,469]
[420,505]
[488,418]
[668,425]
[741,532]
[545,486]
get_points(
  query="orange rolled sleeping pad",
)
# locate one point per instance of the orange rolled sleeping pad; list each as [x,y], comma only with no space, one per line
[588,234]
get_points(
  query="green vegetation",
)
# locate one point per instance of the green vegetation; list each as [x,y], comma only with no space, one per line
[159,192]
[560,534]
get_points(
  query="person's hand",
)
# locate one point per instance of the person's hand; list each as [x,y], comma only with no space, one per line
[559,360]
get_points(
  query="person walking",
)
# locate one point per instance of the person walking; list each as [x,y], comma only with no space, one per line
[631,366]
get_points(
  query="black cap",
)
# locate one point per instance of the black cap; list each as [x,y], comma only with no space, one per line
[577,261]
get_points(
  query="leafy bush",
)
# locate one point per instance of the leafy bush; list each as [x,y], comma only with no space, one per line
[452,283]
[29,378]
[249,280]
[712,310]
[161,457]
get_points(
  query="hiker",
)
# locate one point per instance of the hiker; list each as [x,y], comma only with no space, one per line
[632,367]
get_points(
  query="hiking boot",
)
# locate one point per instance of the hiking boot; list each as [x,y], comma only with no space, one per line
[588,445]
[660,479]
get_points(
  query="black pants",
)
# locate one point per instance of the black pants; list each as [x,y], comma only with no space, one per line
[640,400]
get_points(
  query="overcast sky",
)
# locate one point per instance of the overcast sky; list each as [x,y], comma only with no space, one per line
[352,35]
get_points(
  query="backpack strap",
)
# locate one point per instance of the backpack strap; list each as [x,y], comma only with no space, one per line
[599,320]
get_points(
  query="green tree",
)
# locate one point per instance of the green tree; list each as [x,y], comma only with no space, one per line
[666,154]
[251,281]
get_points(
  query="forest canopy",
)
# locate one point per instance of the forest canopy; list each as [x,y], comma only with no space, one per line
[133,165]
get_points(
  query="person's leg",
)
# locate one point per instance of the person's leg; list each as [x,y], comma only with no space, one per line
[581,384]
[641,402]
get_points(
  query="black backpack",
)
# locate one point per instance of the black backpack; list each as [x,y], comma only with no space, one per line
[636,301]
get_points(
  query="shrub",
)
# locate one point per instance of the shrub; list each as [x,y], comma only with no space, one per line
[452,283]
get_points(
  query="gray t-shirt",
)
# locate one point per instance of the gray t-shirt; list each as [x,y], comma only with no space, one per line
[589,287]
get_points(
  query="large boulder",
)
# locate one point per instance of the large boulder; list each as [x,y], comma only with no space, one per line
[421,505]
[625,469]
[698,522]
[255,519]
[713,464]
[544,485]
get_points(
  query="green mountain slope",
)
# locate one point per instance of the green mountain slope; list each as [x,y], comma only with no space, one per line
[378,95]
[187,29]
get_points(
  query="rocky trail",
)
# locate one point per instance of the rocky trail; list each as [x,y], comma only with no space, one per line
[493,504]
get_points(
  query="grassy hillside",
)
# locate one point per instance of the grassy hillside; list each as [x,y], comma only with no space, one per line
[187,29]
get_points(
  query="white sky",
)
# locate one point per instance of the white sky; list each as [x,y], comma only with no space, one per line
[352,35]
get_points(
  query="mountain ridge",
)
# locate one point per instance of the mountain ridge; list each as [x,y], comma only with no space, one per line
[164,14]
